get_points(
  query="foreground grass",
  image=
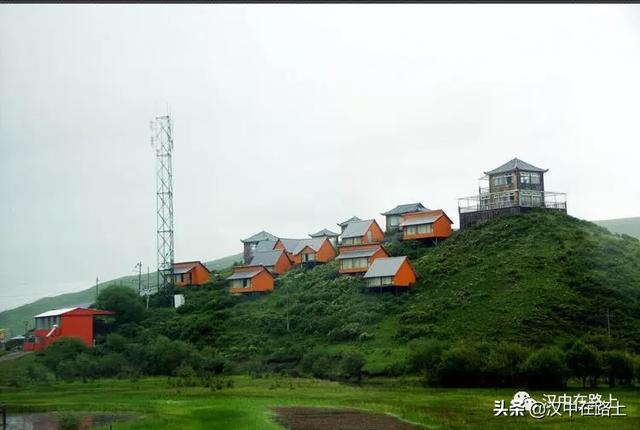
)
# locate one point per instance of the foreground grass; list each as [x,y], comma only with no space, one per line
[247,404]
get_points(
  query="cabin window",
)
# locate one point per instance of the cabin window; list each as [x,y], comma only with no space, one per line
[241,283]
[309,257]
[394,220]
[354,263]
[425,228]
[380,282]
[502,180]
[369,236]
[352,241]
[529,178]
[47,322]
[411,230]
[535,178]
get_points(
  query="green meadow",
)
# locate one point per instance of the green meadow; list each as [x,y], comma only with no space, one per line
[247,403]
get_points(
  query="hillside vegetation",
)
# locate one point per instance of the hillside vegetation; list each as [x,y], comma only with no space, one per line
[14,319]
[630,226]
[528,300]
[536,280]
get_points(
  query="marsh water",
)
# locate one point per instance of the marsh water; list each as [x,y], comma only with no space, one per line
[52,421]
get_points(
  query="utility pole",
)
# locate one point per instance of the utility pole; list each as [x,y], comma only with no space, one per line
[139,267]
[148,287]
[97,280]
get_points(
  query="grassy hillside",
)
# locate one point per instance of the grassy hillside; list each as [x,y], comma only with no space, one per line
[630,226]
[14,319]
[534,279]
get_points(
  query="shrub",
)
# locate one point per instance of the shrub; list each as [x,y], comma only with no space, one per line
[347,332]
[318,363]
[425,357]
[584,363]
[619,367]
[351,366]
[546,368]
[460,366]
[65,349]
[68,421]
[503,365]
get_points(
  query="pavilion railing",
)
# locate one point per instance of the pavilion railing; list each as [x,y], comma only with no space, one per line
[513,198]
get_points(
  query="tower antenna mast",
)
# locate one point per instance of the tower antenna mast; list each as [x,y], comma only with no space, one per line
[162,142]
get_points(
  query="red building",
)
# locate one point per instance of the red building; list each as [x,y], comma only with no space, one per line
[58,323]
[190,273]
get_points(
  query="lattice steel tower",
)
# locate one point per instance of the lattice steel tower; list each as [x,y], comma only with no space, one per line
[162,142]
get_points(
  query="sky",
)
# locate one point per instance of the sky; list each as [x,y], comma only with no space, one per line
[291,118]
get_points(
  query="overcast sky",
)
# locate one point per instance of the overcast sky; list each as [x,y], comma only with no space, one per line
[291,118]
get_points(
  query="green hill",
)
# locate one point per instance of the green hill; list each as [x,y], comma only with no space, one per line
[14,319]
[630,226]
[535,279]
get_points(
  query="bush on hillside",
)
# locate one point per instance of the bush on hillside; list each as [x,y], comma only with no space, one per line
[124,302]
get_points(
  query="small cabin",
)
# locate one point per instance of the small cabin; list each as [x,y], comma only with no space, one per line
[512,188]
[56,324]
[250,279]
[390,272]
[301,251]
[332,236]
[344,224]
[393,216]
[190,273]
[276,261]
[434,225]
[362,233]
[261,241]
[357,259]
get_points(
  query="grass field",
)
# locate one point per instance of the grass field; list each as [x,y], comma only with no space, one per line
[247,405]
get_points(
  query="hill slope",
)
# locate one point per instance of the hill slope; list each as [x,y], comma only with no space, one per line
[630,226]
[14,319]
[534,279]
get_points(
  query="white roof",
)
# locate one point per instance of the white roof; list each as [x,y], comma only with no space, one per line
[385,267]
[357,228]
[54,312]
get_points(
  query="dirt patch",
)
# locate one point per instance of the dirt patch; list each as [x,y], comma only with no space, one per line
[302,418]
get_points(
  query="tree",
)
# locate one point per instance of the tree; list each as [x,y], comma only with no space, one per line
[584,363]
[546,368]
[503,365]
[351,365]
[124,302]
[424,357]
[461,366]
[619,367]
